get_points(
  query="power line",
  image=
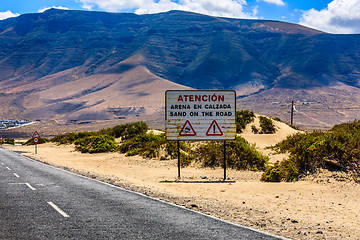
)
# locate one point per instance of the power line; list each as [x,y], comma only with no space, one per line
[281,110]
[306,107]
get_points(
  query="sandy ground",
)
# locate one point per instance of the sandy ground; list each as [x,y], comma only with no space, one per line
[324,207]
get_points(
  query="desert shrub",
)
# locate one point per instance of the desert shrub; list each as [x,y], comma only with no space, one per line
[185,159]
[254,129]
[171,148]
[267,126]
[126,131]
[9,141]
[209,154]
[96,144]
[31,141]
[272,173]
[146,145]
[242,155]
[287,170]
[243,118]
[294,127]
[239,155]
[149,145]
[277,119]
[334,149]
[70,138]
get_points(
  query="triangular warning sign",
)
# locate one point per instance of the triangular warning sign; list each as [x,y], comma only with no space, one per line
[36,135]
[214,130]
[187,130]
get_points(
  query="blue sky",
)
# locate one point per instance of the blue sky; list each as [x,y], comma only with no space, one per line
[333,16]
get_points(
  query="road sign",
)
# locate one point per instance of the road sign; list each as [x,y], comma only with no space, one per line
[36,140]
[200,114]
[214,130]
[35,135]
[187,130]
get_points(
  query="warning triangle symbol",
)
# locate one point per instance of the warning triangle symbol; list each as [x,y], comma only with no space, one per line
[35,135]
[187,130]
[214,130]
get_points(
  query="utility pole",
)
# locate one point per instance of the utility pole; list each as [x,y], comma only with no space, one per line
[292,113]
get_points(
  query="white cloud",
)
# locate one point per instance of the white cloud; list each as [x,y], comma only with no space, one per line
[7,14]
[340,16]
[276,2]
[47,8]
[224,8]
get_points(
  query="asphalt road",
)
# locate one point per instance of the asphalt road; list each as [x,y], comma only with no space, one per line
[38,201]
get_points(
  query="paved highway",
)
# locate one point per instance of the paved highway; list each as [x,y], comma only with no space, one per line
[38,201]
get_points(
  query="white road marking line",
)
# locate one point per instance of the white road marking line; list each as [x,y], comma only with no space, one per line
[31,187]
[58,209]
[8,168]
[2,163]
[16,175]
[159,200]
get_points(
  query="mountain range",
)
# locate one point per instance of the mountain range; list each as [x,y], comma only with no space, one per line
[77,66]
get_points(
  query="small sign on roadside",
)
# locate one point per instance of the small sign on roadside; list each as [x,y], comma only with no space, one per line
[35,135]
[35,138]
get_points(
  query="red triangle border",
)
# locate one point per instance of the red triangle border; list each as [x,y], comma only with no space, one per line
[182,129]
[217,125]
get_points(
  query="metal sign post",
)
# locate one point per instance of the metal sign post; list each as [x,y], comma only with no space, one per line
[200,115]
[178,153]
[36,137]
[224,160]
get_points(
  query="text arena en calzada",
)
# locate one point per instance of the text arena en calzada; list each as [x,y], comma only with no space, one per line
[200,115]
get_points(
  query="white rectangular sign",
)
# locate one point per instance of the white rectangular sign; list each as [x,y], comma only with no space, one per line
[200,115]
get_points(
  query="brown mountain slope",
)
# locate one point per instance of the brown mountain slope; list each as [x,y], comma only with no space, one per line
[86,66]
[103,96]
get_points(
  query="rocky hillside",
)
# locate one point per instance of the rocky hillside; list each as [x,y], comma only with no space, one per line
[78,65]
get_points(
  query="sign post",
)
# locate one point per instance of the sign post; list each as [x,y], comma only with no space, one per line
[1,141]
[200,115]
[35,138]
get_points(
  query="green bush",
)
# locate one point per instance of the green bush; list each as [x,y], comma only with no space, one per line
[126,131]
[267,126]
[328,150]
[272,173]
[9,141]
[254,129]
[149,145]
[239,155]
[285,171]
[277,119]
[146,145]
[243,118]
[96,144]
[70,138]
[185,159]
[209,154]
[31,141]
